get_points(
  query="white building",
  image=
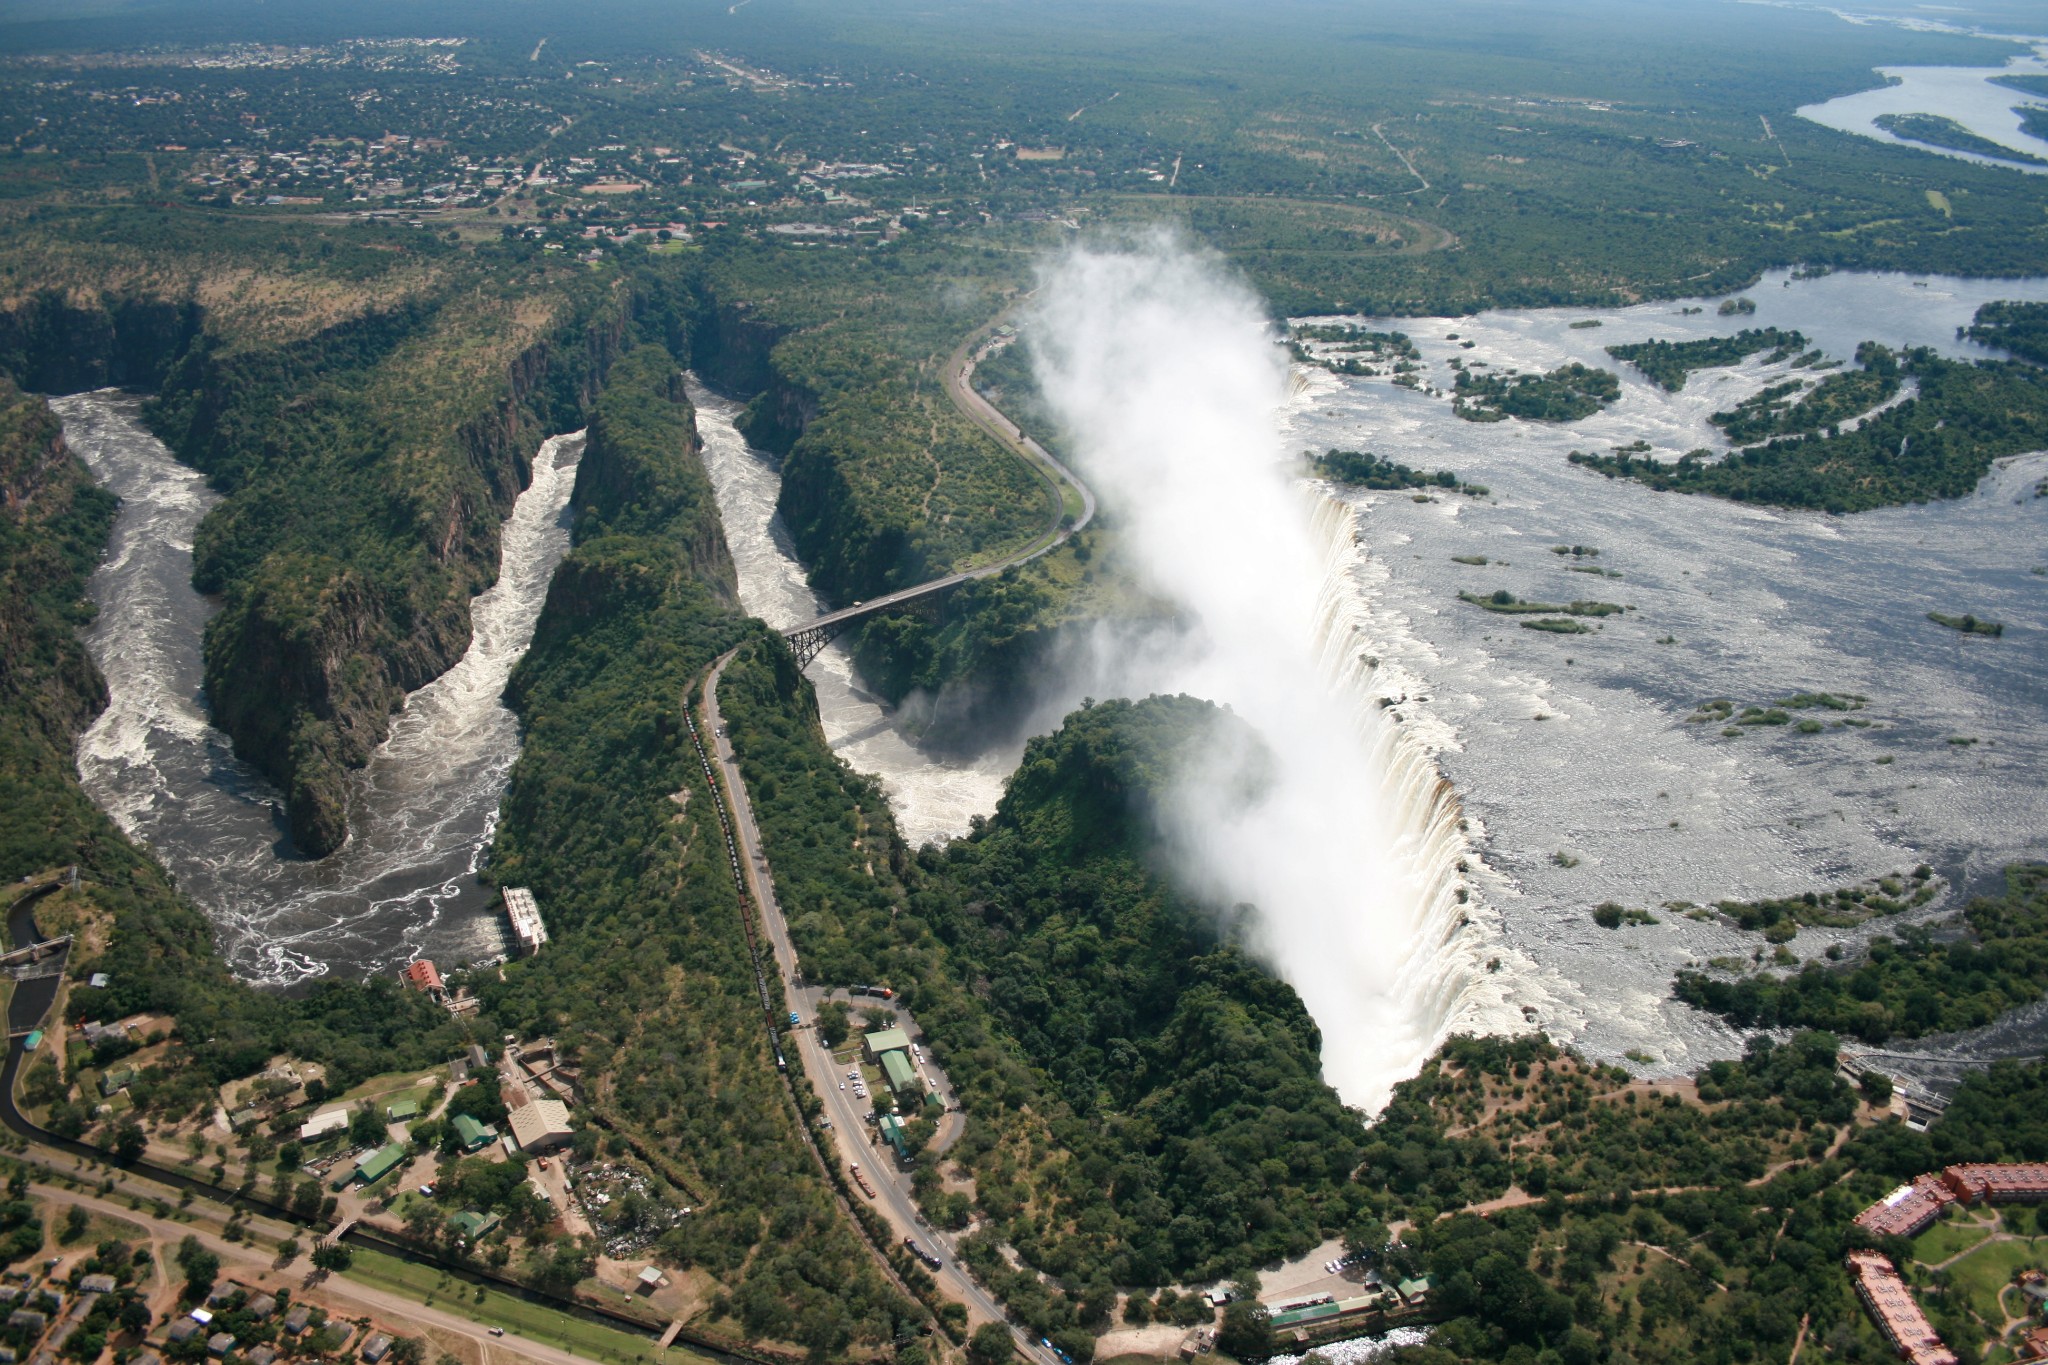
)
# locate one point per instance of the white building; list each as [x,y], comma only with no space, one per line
[524,912]
[329,1121]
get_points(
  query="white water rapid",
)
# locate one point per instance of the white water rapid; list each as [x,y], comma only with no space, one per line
[421,814]
[931,799]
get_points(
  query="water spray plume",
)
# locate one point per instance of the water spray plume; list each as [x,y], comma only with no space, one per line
[1164,369]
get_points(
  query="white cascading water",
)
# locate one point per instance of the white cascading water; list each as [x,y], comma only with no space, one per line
[1339,829]
[1445,974]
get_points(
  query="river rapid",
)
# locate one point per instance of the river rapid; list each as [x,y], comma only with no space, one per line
[420,815]
[932,798]
[1575,770]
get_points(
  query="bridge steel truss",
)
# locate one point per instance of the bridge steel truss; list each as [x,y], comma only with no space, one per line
[809,640]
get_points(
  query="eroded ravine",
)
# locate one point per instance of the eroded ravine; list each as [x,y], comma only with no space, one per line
[421,814]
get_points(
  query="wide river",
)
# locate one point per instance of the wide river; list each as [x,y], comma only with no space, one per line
[1583,779]
[1578,770]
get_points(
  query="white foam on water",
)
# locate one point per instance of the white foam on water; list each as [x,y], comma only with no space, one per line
[421,813]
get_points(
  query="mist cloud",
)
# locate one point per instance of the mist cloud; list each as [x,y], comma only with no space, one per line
[1164,369]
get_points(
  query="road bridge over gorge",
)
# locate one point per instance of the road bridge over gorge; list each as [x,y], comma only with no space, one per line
[1073,508]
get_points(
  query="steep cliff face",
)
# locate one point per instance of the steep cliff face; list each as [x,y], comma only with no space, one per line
[53,521]
[642,470]
[313,652]
[650,569]
[54,344]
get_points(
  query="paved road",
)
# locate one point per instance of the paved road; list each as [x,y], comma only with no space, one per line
[1058,478]
[849,1127]
[243,1261]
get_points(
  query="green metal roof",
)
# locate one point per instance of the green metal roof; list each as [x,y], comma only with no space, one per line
[896,1066]
[373,1168]
[472,1134]
[404,1109]
[887,1040]
[472,1224]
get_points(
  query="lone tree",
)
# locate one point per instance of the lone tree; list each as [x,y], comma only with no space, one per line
[991,1344]
[1246,1334]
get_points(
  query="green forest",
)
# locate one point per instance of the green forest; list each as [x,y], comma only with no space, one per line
[1566,394]
[1668,364]
[2021,328]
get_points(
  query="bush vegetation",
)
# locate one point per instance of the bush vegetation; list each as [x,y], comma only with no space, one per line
[1668,364]
[1922,981]
[1937,444]
[1564,395]
[2021,328]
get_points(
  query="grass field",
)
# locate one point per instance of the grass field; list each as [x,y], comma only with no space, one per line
[1946,1239]
[531,1320]
[1983,1275]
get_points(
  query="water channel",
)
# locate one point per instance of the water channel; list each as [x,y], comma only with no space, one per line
[421,814]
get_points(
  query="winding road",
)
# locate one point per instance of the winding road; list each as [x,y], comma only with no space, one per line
[1073,507]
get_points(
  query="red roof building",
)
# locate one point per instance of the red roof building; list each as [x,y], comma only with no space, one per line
[422,976]
[1909,1209]
[2016,1182]
[1897,1316]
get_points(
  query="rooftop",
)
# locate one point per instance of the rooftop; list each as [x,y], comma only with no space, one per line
[1907,1210]
[887,1040]
[1898,1316]
[540,1124]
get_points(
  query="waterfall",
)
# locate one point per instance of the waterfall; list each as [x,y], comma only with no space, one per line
[1443,975]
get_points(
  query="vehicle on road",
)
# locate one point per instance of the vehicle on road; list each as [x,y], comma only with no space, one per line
[917,1250]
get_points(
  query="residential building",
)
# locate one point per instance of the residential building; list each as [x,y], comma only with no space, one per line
[2016,1182]
[422,976]
[1893,1309]
[1908,1210]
